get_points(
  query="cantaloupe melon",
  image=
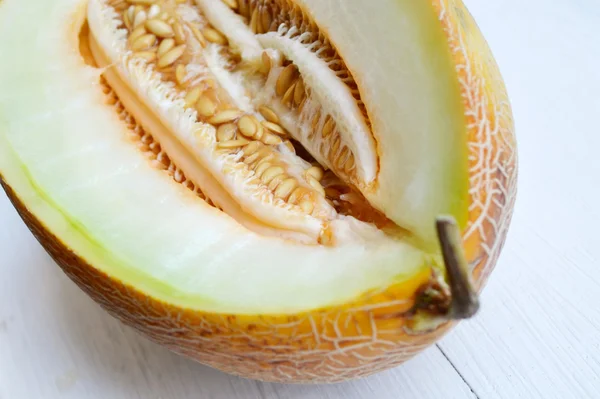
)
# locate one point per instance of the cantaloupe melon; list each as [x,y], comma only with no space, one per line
[256,184]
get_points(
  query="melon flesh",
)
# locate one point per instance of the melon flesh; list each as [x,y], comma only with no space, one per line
[66,155]
[408,84]
[398,55]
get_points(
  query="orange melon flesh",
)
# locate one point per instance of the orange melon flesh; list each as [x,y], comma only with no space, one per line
[194,278]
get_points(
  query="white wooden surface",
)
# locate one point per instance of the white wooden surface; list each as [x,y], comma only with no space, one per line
[537,335]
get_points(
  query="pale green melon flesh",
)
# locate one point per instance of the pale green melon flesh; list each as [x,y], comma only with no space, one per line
[400,59]
[67,157]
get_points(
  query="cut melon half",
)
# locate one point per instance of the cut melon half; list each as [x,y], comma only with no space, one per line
[245,166]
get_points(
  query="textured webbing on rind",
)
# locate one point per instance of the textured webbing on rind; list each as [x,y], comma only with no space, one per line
[491,140]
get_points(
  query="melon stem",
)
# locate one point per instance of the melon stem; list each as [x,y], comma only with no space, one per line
[465,302]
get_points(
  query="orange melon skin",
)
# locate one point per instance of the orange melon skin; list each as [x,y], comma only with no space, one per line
[370,334]
[492,146]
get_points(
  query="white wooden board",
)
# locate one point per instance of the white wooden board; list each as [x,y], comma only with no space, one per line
[538,335]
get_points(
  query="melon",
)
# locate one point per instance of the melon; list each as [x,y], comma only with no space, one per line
[285,190]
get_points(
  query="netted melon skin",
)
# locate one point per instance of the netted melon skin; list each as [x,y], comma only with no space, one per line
[492,147]
[360,338]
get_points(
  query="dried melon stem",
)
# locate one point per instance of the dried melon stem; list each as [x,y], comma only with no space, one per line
[225,116]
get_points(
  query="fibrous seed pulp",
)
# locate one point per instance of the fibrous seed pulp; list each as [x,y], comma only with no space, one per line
[255,111]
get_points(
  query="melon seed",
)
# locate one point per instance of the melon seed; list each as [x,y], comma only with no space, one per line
[254,21]
[265,67]
[307,206]
[226,132]
[231,4]
[233,143]
[205,107]
[127,20]
[327,127]
[316,185]
[316,172]
[164,46]
[171,56]
[192,96]
[143,2]
[285,188]
[159,28]
[271,173]
[265,19]
[139,19]
[214,36]
[299,92]
[247,126]
[179,33]
[137,32]
[268,113]
[276,181]
[349,164]
[154,11]
[143,42]
[286,79]
[261,168]
[149,56]
[198,35]
[341,159]
[296,195]
[289,95]
[273,127]
[180,74]
[252,148]
[243,7]
[290,146]
[225,116]
[270,139]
